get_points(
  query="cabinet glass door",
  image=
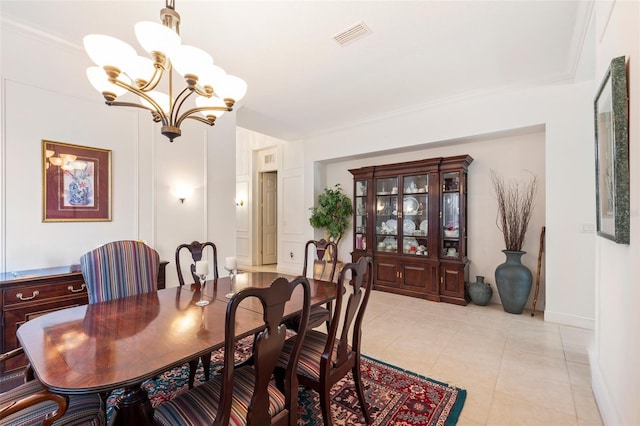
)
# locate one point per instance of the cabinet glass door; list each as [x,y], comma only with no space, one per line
[386,205]
[414,215]
[451,214]
[360,242]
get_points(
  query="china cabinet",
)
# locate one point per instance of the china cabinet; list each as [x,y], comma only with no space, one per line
[411,218]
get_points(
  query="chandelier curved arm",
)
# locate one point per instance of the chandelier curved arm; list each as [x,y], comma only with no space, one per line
[207,92]
[158,71]
[175,111]
[156,116]
[202,120]
[156,110]
[190,113]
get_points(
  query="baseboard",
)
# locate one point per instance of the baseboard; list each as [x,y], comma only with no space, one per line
[288,269]
[572,320]
[602,396]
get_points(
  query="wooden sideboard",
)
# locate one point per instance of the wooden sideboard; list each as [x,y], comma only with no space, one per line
[25,295]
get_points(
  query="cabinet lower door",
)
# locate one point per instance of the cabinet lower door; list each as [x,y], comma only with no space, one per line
[421,278]
[452,283]
[386,273]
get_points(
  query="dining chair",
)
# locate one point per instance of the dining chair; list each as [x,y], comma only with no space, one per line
[321,256]
[326,358]
[119,269]
[196,249]
[31,404]
[246,395]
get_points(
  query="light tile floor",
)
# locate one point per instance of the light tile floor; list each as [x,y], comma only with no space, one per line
[517,369]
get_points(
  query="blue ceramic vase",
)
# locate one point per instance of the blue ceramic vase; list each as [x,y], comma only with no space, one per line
[479,291]
[513,280]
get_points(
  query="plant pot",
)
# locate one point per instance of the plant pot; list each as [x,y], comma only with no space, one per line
[479,291]
[513,281]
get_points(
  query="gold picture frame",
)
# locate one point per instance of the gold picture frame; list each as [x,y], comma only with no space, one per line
[76,183]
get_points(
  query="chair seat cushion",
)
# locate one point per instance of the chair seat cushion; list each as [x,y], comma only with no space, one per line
[82,409]
[199,405]
[310,354]
[317,316]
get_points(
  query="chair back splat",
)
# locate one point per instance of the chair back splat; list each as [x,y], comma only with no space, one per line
[246,394]
[325,259]
[196,249]
[360,281]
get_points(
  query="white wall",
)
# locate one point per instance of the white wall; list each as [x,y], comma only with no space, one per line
[46,95]
[614,361]
[526,154]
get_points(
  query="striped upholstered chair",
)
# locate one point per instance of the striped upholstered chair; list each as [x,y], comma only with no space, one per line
[246,395]
[30,404]
[119,269]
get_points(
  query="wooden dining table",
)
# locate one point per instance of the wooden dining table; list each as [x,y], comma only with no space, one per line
[123,342]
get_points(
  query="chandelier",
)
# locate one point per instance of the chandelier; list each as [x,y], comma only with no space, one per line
[120,70]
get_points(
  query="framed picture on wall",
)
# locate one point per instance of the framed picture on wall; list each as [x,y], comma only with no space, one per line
[76,183]
[612,154]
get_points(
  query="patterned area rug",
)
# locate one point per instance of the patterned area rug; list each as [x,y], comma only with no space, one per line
[395,396]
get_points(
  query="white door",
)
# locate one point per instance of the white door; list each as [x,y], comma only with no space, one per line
[269,218]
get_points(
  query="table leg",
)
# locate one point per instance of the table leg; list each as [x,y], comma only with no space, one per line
[133,408]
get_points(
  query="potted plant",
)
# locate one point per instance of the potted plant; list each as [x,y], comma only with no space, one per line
[333,212]
[515,208]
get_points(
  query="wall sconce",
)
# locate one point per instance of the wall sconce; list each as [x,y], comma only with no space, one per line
[239,202]
[183,192]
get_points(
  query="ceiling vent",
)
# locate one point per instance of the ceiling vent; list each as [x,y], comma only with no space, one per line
[352,33]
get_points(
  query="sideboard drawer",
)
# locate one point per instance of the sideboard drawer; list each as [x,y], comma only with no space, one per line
[44,292]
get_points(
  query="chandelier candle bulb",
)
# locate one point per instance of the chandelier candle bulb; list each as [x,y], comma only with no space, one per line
[202,268]
[231,263]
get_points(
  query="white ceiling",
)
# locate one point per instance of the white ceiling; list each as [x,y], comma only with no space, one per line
[302,82]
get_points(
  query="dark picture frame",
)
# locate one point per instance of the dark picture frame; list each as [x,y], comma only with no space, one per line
[76,183]
[611,114]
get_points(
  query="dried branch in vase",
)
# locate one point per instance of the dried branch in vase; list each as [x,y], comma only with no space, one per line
[515,208]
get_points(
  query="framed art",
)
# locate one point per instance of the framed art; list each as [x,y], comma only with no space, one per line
[612,154]
[76,183]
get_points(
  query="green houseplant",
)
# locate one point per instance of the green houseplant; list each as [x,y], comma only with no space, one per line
[515,208]
[332,213]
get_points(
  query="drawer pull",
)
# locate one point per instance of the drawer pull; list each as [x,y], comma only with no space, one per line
[33,296]
[73,290]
